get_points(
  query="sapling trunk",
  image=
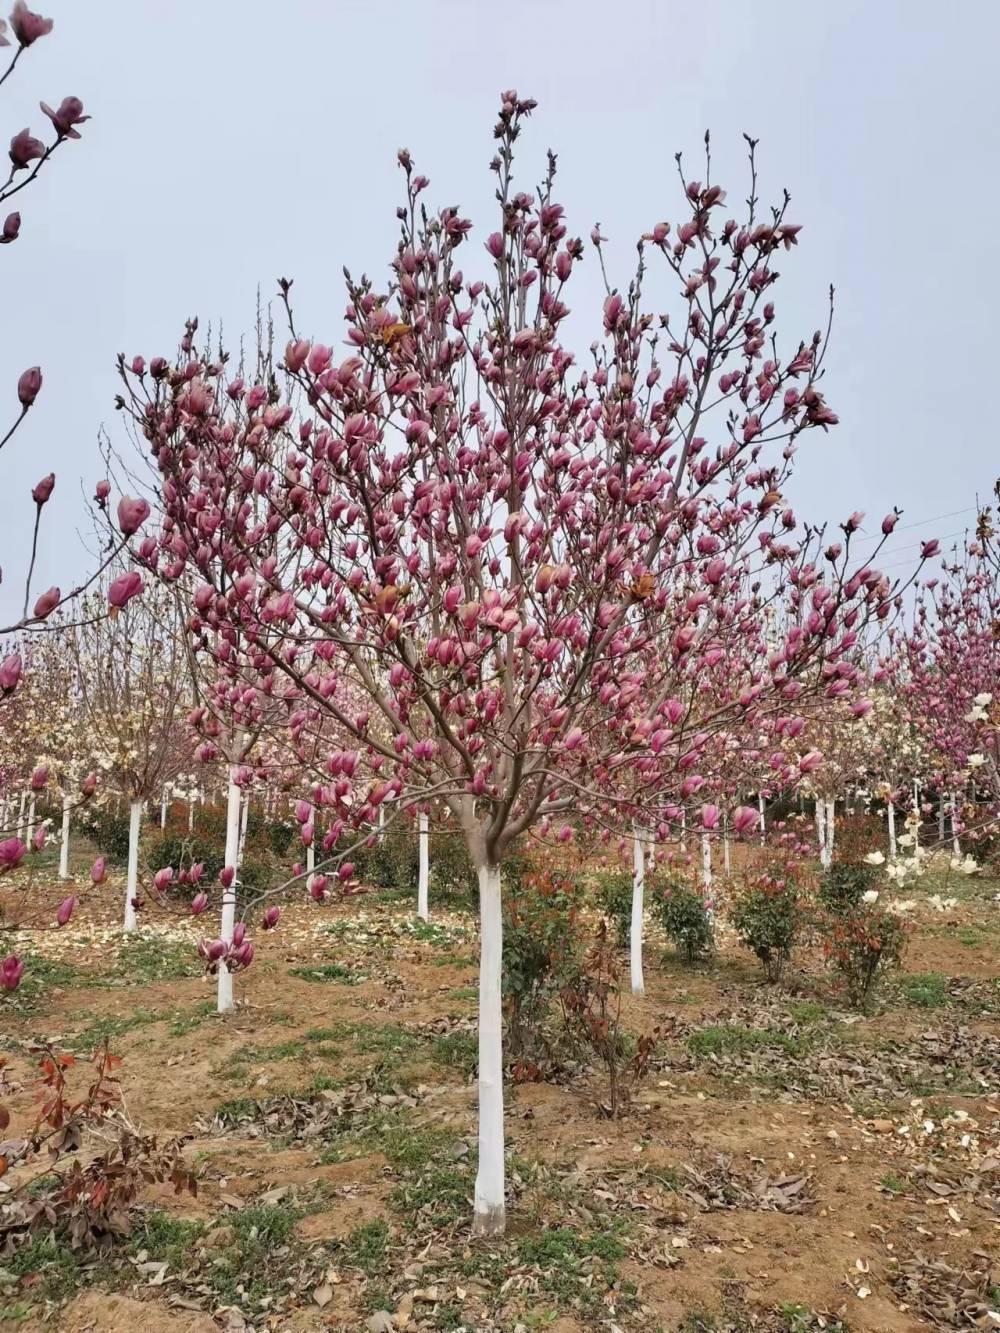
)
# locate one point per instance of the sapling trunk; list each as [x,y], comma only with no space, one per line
[423,867]
[132,872]
[727,862]
[636,925]
[225,989]
[30,832]
[64,845]
[890,813]
[821,829]
[20,816]
[831,828]
[956,846]
[163,807]
[489,1214]
[763,821]
[244,817]
[706,861]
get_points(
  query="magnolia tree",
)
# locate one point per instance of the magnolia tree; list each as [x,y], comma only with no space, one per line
[522,564]
[131,671]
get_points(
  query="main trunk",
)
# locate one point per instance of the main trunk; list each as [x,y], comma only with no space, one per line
[956,846]
[706,861]
[132,874]
[423,868]
[225,992]
[489,1216]
[636,929]
[763,822]
[831,828]
[890,813]
[64,846]
[24,801]
[31,821]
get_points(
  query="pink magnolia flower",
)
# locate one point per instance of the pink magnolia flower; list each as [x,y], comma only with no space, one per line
[38,837]
[11,971]
[68,114]
[41,493]
[163,878]
[47,603]
[65,910]
[271,918]
[11,228]
[10,672]
[198,903]
[99,870]
[101,492]
[132,513]
[89,785]
[29,385]
[709,816]
[226,876]
[40,777]
[124,588]
[745,819]
[12,853]
[27,25]
[25,148]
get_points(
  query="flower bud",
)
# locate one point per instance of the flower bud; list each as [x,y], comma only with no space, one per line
[99,870]
[65,910]
[29,386]
[11,971]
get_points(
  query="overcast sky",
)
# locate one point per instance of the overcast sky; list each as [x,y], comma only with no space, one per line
[233,141]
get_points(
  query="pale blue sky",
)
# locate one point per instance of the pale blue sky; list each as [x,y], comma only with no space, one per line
[233,141]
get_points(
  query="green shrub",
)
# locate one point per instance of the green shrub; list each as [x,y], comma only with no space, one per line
[614,897]
[768,915]
[539,951]
[844,884]
[685,918]
[279,836]
[107,830]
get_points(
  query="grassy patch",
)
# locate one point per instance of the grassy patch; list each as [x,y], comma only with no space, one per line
[109,1027]
[457,1050]
[807,1011]
[893,1183]
[184,1022]
[925,990]
[145,957]
[41,977]
[54,1270]
[366,1246]
[728,1039]
[327,972]
[257,1261]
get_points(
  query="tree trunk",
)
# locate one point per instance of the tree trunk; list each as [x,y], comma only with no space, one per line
[489,1216]
[225,991]
[191,814]
[64,846]
[890,812]
[30,831]
[831,828]
[706,861]
[636,928]
[132,874]
[941,817]
[727,862]
[20,816]
[956,846]
[763,821]
[163,806]
[244,817]
[423,868]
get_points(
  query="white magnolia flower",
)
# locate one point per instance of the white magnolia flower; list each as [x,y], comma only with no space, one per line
[906,840]
[981,700]
[969,866]
[870,897]
[875,858]
[976,760]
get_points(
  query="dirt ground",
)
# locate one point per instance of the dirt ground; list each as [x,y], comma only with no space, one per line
[787,1163]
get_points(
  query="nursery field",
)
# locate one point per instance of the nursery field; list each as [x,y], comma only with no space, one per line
[784,1162]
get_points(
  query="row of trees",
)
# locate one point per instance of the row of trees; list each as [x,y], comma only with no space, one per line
[458,573]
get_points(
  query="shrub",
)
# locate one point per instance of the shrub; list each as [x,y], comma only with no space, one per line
[685,918]
[452,874]
[181,851]
[844,884]
[107,830]
[614,896]
[768,915]
[862,943]
[279,836]
[540,919]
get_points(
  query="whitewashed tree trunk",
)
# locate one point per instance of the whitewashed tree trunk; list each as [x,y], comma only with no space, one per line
[763,821]
[831,829]
[423,867]
[164,802]
[30,832]
[821,829]
[20,816]
[706,861]
[956,846]
[244,817]
[489,1215]
[683,830]
[191,801]
[941,817]
[232,854]
[890,814]
[636,924]
[381,820]
[727,862]
[132,872]
[64,844]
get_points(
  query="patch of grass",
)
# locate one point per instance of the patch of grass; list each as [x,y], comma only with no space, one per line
[55,1269]
[42,976]
[464,993]
[729,1039]
[440,1194]
[797,1319]
[327,972]
[146,957]
[166,1237]
[893,1183]
[248,1271]
[807,1011]
[324,1034]
[574,1267]
[365,1246]
[183,1023]
[925,990]
[457,1050]
[109,1027]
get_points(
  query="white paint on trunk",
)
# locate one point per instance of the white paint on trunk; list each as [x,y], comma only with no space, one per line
[763,822]
[636,924]
[164,802]
[684,825]
[64,845]
[190,814]
[132,873]
[20,816]
[727,860]
[381,820]
[940,817]
[956,846]
[232,854]
[890,814]
[244,816]
[489,1215]
[831,828]
[821,829]
[706,861]
[30,832]
[423,867]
